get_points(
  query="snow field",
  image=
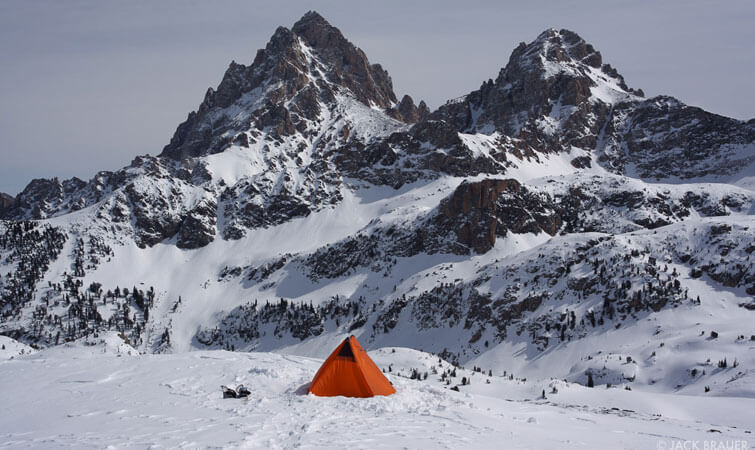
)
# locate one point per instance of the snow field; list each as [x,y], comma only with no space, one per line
[96,395]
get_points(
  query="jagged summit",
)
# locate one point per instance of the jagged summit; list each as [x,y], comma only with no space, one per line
[556,52]
[369,82]
[300,72]
[318,32]
[554,76]
[562,45]
[554,93]
[312,17]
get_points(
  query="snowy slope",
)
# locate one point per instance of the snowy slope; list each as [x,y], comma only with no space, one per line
[91,397]
[213,281]
[10,348]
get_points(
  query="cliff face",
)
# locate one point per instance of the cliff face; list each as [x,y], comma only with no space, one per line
[478,212]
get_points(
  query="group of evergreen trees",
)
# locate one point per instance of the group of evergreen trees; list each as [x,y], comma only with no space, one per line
[65,310]
[247,323]
[32,248]
[629,286]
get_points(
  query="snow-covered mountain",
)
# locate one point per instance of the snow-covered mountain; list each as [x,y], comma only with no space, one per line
[554,222]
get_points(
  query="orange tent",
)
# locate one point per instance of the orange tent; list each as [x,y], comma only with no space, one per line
[349,372]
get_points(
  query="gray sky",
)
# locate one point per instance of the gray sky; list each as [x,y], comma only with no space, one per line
[87,85]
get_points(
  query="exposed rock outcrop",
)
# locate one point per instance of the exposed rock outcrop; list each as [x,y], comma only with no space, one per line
[478,212]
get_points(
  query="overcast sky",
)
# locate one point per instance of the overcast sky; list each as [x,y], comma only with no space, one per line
[87,85]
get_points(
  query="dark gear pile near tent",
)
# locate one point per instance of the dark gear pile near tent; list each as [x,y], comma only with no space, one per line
[350,372]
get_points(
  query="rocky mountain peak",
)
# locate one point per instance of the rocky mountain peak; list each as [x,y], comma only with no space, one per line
[561,53]
[304,68]
[408,112]
[554,93]
[348,64]
[40,197]
[558,46]
[318,32]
